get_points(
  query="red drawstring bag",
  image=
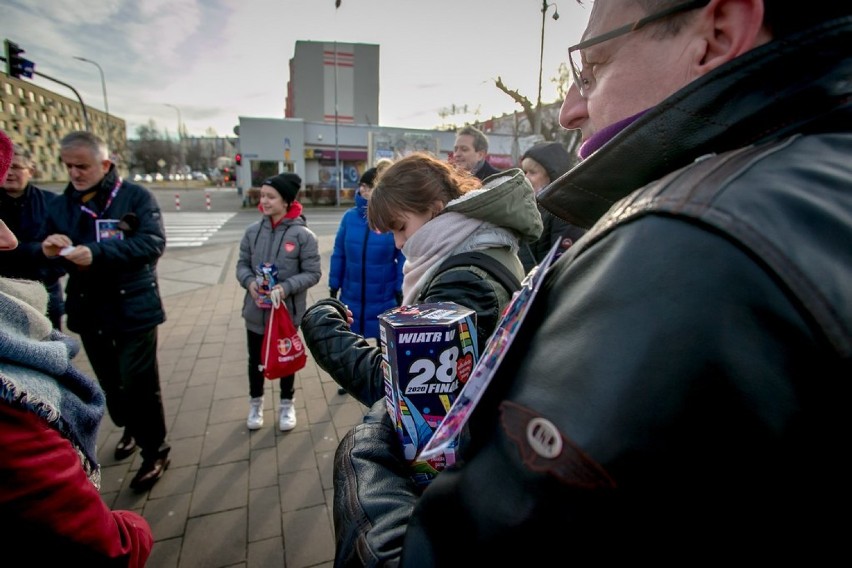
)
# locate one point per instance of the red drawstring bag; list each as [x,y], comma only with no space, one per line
[283,352]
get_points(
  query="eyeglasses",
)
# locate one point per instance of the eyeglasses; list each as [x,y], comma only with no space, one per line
[575,57]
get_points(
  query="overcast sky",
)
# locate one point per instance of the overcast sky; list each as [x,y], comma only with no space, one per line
[217,60]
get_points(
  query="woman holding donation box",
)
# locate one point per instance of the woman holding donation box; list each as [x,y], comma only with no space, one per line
[435,211]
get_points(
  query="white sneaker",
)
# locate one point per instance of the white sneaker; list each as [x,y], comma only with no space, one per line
[255,416]
[286,415]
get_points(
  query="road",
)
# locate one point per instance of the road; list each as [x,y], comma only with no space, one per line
[205,216]
[201,248]
[216,216]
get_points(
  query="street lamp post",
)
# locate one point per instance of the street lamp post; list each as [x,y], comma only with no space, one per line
[106,102]
[544,6]
[337,175]
[180,134]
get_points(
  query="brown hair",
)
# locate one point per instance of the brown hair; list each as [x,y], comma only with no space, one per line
[413,184]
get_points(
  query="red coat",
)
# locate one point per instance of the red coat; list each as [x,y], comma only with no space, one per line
[50,509]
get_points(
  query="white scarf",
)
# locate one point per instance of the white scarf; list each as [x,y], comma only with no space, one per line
[447,234]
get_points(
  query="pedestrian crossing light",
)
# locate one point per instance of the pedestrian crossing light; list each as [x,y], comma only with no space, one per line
[17,66]
[238,159]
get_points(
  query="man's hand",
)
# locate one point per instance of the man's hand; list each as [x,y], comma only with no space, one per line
[252,290]
[81,255]
[55,243]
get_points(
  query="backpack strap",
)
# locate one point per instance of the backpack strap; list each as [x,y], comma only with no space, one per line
[486,262]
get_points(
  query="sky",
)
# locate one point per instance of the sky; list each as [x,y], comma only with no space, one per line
[217,60]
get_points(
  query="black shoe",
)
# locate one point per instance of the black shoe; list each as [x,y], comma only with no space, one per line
[149,474]
[125,447]
[341,390]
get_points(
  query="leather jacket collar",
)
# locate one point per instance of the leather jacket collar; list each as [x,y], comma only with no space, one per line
[802,80]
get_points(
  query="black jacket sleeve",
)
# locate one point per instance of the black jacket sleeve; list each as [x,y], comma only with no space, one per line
[350,360]
[373,494]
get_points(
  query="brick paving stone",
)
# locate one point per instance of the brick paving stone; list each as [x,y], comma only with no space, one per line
[230,497]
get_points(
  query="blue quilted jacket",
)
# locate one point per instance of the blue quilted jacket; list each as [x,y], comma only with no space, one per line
[367,269]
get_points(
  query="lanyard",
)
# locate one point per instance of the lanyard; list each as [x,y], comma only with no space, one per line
[94,215]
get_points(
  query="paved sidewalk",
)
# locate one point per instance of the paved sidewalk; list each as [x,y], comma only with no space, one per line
[231,497]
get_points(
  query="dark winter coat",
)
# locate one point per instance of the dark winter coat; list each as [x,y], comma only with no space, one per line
[26,217]
[485,170]
[555,160]
[118,292]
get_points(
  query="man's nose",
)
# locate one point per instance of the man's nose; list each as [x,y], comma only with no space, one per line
[574,110]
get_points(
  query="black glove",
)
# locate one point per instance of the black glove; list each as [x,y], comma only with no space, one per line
[398,296]
[373,493]
[332,293]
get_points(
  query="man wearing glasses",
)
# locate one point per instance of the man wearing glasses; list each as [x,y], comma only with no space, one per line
[23,207]
[678,391]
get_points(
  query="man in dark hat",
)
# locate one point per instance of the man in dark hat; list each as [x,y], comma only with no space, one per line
[108,234]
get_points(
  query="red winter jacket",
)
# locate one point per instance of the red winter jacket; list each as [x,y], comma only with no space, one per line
[48,507]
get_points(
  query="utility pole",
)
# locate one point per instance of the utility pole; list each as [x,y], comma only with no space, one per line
[544,6]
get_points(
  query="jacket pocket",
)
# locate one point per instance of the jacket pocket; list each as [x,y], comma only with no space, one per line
[139,305]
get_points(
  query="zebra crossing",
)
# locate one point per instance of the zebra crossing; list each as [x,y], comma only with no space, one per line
[187,229]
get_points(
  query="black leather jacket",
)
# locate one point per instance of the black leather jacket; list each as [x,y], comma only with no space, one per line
[686,364]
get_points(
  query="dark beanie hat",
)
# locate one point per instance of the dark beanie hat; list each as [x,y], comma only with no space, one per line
[286,184]
[368,177]
[552,156]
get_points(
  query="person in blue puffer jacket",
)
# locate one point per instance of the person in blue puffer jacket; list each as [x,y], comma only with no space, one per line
[366,267]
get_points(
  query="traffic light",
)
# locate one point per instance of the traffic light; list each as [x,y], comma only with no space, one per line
[16,66]
[239,159]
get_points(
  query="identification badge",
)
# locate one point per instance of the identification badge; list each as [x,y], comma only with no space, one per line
[107,229]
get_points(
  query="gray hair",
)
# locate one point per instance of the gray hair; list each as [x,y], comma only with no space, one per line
[86,139]
[20,152]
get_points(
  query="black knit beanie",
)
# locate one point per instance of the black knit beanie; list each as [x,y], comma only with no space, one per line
[286,184]
[368,177]
[552,156]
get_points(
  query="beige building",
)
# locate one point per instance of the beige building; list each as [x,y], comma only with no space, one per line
[325,76]
[37,119]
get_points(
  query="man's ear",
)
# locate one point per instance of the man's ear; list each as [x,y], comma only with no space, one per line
[732,28]
[105,164]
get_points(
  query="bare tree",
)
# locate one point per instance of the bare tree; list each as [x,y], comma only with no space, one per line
[550,127]
[150,147]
